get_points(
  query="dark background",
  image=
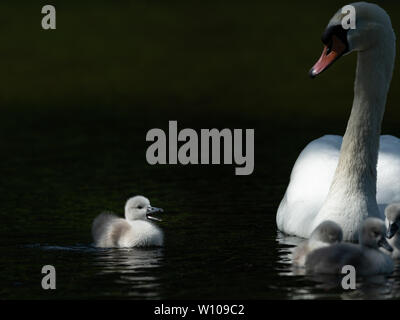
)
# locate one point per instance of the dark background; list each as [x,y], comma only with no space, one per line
[76,104]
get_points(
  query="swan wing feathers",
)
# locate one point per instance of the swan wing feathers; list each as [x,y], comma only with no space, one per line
[388,184]
[313,173]
[309,185]
[107,228]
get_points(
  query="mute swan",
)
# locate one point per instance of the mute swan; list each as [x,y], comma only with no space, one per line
[342,179]
[392,213]
[328,232]
[365,257]
[111,231]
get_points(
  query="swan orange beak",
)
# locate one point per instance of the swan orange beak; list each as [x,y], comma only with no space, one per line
[329,55]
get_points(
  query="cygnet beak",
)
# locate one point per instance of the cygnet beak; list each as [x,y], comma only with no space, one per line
[391,231]
[153,210]
[384,244]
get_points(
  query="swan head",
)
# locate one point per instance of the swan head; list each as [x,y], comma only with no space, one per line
[392,213]
[372,25]
[328,232]
[139,208]
[373,234]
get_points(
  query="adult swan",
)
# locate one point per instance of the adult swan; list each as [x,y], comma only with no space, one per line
[342,179]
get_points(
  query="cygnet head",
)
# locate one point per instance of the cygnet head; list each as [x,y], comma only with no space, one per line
[328,232]
[372,27]
[392,213]
[139,208]
[373,234]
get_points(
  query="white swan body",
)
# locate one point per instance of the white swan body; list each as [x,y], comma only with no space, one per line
[110,231]
[327,233]
[365,257]
[344,179]
[312,175]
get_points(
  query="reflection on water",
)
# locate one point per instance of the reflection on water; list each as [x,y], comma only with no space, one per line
[130,260]
[221,238]
[84,271]
[133,267]
[285,250]
[130,272]
[329,286]
[75,248]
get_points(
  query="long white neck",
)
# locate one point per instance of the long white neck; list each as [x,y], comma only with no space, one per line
[359,151]
[352,195]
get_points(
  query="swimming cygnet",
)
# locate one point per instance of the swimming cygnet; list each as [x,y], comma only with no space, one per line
[392,213]
[327,233]
[110,231]
[365,257]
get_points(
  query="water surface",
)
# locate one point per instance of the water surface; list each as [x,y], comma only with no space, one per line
[221,239]
[76,105]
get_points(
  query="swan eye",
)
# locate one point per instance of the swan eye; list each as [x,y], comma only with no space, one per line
[140,207]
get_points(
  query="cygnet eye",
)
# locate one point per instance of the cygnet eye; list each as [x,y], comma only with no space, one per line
[140,207]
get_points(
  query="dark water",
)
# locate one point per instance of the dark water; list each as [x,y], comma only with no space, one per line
[62,168]
[75,107]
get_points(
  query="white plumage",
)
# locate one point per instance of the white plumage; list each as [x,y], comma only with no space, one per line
[312,176]
[344,179]
[110,231]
